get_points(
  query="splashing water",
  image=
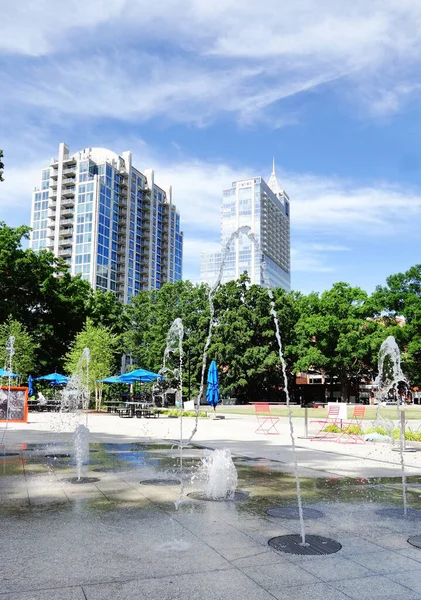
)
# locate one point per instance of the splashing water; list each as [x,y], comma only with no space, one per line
[218,475]
[81,446]
[246,230]
[385,381]
[10,351]
[75,402]
[174,344]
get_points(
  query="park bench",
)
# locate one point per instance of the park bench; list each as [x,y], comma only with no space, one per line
[266,422]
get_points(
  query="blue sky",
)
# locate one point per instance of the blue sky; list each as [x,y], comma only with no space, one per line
[206,93]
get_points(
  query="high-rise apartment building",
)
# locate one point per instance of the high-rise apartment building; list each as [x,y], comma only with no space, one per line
[111,223]
[265,208]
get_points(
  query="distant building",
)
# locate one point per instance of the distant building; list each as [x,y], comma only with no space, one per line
[111,223]
[265,208]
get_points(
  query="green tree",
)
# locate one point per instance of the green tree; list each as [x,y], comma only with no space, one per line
[103,308]
[38,290]
[401,297]
[150,316]
[24,358]
[338,333]
[102,344]
[244,343]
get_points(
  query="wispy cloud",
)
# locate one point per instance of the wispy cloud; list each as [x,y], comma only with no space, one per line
[215,59]
[329,217]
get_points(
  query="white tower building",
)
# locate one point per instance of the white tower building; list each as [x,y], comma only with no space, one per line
[265,208]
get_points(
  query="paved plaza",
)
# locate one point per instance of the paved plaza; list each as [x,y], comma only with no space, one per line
[123,536]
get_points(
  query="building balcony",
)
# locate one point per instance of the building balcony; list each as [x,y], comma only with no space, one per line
[50,235]
[52,194]
[66,222]
[69,171]
[67,212]
[69,160]
[66,233]
[65,252]
[66,192]
[69,181]
[54,174]
[67,202]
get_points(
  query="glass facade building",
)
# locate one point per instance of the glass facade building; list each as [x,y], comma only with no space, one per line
[111,223]
[265,208]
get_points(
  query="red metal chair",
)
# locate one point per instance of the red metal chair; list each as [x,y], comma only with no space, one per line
[331,419]
[357,421]
[266,421]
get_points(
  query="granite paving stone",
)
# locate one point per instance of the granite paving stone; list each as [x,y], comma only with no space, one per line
[411,579]
[218,585]
[375,587]
[70,593]
[274,576]
[385,561]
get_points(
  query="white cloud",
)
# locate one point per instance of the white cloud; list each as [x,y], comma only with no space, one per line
[330,217]
[190,60]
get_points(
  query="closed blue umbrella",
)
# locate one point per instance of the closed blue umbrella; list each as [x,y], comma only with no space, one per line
[212,393]
[30,386]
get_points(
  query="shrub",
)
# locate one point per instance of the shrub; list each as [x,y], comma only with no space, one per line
[175,412]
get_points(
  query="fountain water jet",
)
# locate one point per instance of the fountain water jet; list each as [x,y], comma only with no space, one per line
[75,403]
[246,230]
[174,344]
[219,476]
[385,381]
[10,350]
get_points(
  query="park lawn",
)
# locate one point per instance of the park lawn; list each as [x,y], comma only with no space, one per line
[386,412]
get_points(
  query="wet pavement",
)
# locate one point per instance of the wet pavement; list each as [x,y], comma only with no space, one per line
[118,538]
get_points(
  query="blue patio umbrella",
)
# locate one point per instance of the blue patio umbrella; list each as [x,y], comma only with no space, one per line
[139,375]
[4,373]
[30,386]
[113,379]
[212,393]
[53,378]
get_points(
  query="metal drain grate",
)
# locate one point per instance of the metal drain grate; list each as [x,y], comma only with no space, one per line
[236,497]
[397,513]
[316,545]
[81,480]
[415,540]
[291,512]
[161,482]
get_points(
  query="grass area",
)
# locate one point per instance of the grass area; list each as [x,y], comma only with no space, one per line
[387,412]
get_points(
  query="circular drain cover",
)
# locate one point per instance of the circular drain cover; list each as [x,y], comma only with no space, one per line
[236,497]
[397,513]
[415,540]
[291,512]
[316,545]
[81,480]
[58,455]
[160,482]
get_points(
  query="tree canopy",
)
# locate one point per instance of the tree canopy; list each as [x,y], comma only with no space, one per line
[337,332]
